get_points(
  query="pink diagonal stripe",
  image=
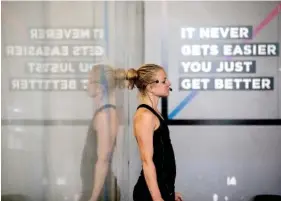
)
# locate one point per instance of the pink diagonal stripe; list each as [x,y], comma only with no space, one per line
[269,17]
[262,24]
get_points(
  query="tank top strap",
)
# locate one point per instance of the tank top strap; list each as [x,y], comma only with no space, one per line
[152,110]
[104,107]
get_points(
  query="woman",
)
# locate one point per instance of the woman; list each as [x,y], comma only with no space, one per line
[157,179]
[98,180]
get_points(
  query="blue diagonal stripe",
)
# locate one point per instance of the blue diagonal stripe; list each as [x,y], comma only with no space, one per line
[184,102]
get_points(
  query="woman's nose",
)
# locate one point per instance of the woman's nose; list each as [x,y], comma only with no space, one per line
[169,83]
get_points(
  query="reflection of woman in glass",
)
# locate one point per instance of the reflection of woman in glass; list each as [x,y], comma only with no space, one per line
[98,180]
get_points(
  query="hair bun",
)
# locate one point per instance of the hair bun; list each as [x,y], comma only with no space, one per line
[120,76]
[132,76]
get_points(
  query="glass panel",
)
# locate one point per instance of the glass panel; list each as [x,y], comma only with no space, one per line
[50,146]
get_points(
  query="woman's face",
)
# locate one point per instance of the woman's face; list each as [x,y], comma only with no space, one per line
[161,88]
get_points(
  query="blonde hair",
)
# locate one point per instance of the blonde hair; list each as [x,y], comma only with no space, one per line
[143,76]
[109,77]
[112,78]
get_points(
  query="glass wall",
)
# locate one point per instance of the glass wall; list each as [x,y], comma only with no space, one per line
[48,51]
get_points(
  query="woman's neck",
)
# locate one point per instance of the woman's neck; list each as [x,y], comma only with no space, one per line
[150,100]
[99,102]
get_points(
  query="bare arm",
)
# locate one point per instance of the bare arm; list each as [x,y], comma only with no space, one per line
[106,134]
[144,124]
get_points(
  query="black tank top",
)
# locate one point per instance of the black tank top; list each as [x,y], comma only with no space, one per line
[163,158]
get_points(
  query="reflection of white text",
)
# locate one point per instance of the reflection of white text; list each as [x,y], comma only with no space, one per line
[65,67]
[69,34]
[87,50]
[46,84]
[59,67]
[48,51]
[16,50]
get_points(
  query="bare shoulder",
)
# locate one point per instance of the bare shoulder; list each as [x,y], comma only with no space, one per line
[144,119]
[143,115]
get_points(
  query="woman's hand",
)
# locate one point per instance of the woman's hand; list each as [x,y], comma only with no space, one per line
[178,197]
[160,199]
